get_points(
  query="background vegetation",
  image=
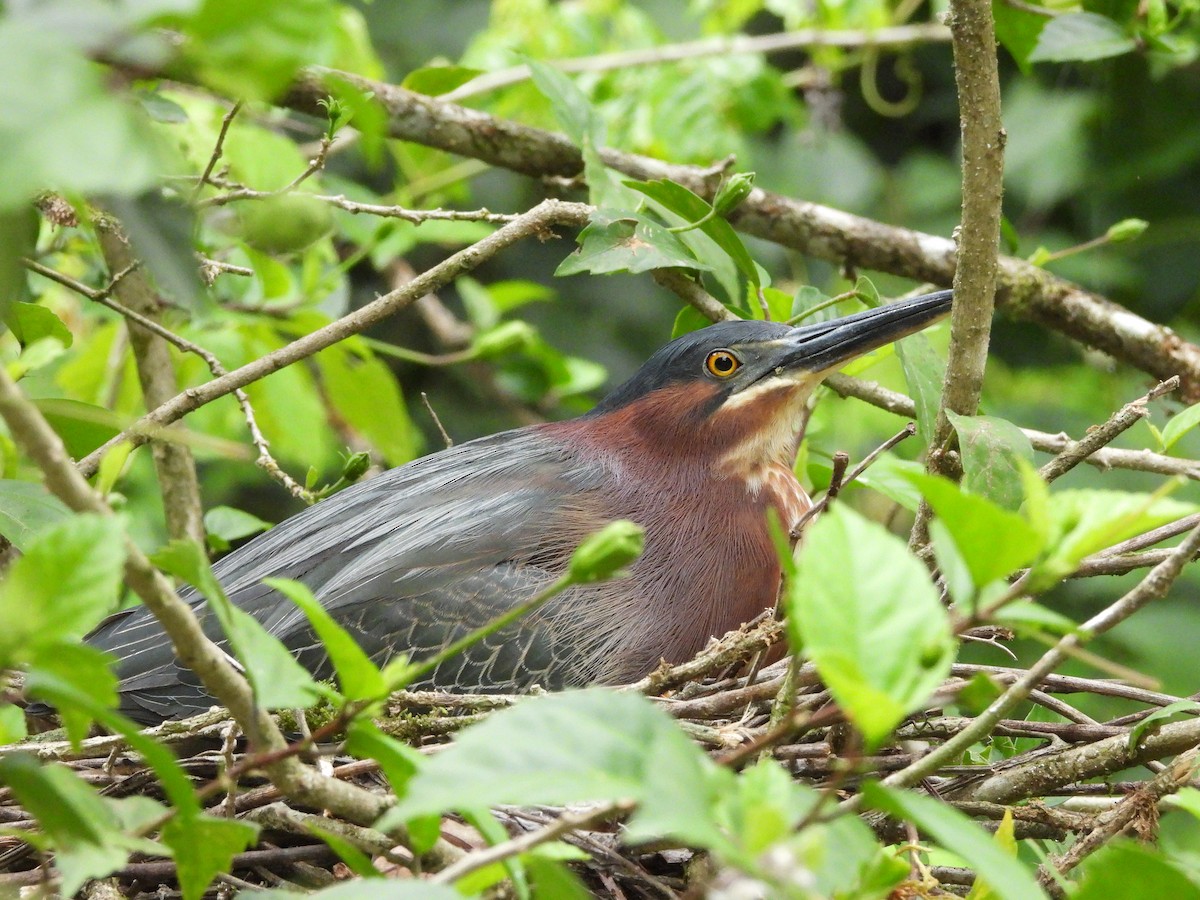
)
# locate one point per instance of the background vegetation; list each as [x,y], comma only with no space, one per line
[190,188]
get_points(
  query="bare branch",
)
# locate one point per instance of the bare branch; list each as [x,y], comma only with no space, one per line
[1122,420]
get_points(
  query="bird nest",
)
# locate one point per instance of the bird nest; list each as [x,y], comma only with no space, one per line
[735,710]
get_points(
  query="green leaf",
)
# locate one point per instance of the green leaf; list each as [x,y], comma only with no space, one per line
[224,525]
[1126,230]
[1083,522]
[1125,870]
[864,610]
[764,808]
[1081,37]
[398,761]
[26,508]
[688,320]
[693,208]
[19,229]
[1027,616]
[252,50]
[1005,839]
[551,878]
[82,426]
[436,80]
[357,861]
[68,579]
[993,542]
[990,447]
[86,669]
[30,322]
[617,242]
[1179,425]
[365,392]
[1008,879]
[575,747]
[42,118]
[1187,799]
[12,724]
[924,372]
[279,681]
[358,677]
[72,814]
[204,846]
[585,128]
[1018,31]
[1172,712]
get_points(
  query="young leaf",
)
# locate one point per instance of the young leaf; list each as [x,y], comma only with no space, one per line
[865,612]
[1008,879]
[992,541]
[1083,522]
[67,581]
[1172,712]
[575,747]
[1179,425]
[223,525]
[693,208]
[435,80]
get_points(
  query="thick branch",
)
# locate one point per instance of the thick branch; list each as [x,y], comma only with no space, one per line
[173,461]
[537,221]
[1025,290]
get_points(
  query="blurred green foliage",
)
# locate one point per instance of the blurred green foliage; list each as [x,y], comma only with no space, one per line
[119,109]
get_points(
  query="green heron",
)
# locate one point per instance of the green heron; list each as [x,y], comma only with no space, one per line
[695,447]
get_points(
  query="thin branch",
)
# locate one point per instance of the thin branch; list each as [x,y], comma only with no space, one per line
[535,222]
[1120,421]
[380,210]
[902,435]
[891,37]
[1140,804]
[692,293]
[218,149]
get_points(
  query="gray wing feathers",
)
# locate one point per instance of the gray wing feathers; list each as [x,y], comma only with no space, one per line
[408,562]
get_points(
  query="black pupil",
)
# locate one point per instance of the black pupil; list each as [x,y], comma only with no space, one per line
[723,362]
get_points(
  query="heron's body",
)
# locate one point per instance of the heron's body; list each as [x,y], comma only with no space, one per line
[423,554]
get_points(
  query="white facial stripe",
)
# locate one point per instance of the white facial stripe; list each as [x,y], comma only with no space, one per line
[782,380]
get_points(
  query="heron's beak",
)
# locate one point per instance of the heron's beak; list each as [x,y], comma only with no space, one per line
[826,345]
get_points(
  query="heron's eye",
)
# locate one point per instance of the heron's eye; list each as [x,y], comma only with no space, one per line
[722,363]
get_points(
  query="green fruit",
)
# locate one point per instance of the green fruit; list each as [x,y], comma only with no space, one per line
[284,224]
